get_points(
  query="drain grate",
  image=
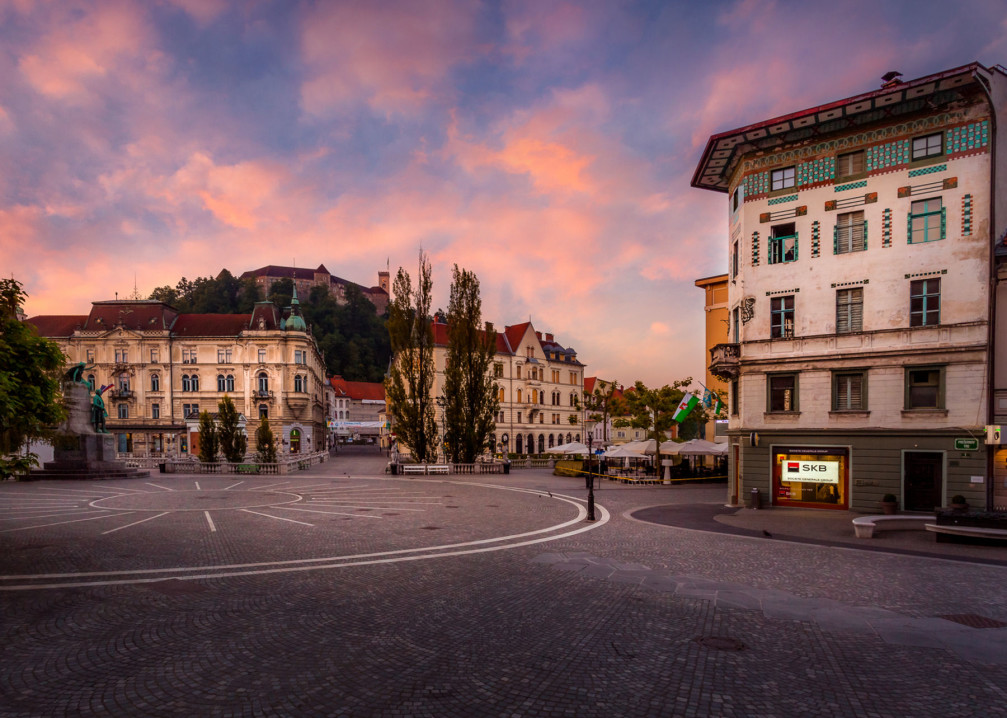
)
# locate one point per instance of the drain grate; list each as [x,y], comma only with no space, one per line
[720,643]
[973,621]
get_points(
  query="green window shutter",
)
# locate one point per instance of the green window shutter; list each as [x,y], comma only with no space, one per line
[835,239]
[865,235]
[795,247]
[909,227]
[944,221]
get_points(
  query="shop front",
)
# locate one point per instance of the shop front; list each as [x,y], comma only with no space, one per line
[815,477]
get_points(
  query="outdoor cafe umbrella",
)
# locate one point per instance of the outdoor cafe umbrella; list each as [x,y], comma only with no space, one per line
[699,447]
[574,447]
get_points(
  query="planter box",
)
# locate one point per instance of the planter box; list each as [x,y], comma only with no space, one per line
[977,519]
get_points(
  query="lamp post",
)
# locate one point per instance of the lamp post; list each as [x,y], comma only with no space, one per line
[442,403]
[590,480]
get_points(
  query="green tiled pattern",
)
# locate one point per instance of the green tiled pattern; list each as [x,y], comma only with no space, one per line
[927,170]
[781,200]
[756,184]
[851,185]
[890,154]
[821,170]
[967,137]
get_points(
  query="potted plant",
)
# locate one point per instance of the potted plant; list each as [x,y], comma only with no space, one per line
[889,504]
[958,503]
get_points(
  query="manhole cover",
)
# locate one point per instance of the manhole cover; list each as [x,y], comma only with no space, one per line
[973,621]
[720,643]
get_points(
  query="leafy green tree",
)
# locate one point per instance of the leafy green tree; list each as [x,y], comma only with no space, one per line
[230,436]
[411,376]
[603,402]
[265,444]
[30,397]
[209,442]
[470,393]
[281,292]
[652,410]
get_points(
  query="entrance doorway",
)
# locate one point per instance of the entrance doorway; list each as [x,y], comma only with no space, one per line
[295,441]
[923,480]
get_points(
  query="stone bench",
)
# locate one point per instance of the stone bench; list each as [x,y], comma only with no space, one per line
[865,526]
[973,531]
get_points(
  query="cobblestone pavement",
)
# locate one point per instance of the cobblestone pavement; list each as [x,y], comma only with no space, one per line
[467,596]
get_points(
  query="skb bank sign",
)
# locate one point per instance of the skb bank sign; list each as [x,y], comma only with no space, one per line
[811,471]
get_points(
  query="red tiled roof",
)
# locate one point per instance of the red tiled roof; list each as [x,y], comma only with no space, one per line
[140,315]
[210,325]
[441,338]
[516,333]
[273,270]
[359,390]
[57,325]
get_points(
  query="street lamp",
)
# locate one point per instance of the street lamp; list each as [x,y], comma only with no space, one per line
[442,402]
[590,480]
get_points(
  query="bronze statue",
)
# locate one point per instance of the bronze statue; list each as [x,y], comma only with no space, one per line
[98,412]
[76,373]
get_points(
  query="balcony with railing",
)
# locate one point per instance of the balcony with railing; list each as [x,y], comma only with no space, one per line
[122,394]
[725,360]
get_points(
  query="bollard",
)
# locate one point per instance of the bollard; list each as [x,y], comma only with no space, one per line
[756,500]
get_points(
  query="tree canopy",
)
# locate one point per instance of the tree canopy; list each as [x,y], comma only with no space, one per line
[603,402]
[31,403]
[470,392]
[411,376]
[653,410]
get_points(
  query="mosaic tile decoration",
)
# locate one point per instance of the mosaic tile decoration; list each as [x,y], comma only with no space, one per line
[755,249]
[816,235]
[927,170]
[816,171]
[851,185]
[890,154]
[967,215]
[973,136]
[781,200]
[756,184]
[886,228]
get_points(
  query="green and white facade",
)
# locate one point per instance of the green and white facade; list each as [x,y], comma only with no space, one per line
[862,239]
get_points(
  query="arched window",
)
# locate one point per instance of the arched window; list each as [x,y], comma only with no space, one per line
[186,383]
[531,444]
[299,383]
[263,411]
[534,396]
[552,441]
[541,443]
[517,444]
[155,382]
[541,398]
[578,438]
[220,383]
[519,396]
[518,374]
[229,383]
[195,382]
[123,411]
[569,438]
[500,393]
[573,399]
[263,382]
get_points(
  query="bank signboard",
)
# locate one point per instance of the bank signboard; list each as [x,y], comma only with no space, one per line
[813,471]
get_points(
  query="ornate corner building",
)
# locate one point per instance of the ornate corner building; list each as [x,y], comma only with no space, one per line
[165,367]
[863,242]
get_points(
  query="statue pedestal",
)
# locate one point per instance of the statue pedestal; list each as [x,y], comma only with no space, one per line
[79,452]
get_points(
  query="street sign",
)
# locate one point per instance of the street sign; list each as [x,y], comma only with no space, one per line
[966,444]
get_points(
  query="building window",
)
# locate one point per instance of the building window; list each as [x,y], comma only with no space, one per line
[229,382]
[299,383]
[121,356]
[155,382]
[263,411]
[927,220]
[155,411]
[186,383]
[500,394]
[735,325]
[299,357]
[263,382]
[519,417]
[195,382]
[734,260]
[188,356]
[782,392]
[783,178]
[924,302]
[849,310]
[90,356]
[849,391]
[850,233]
[223,356]
[928,146]
[518,371]
[220,382]
[924,387]
[781,317]
[736,199]
[849,164]
[155,356]
[783,244]
[262,356]
[735,408]
[519,396]
[534,396]
[498,370]
[123,382]
[123,411]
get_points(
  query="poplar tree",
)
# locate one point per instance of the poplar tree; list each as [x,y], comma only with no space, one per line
[411,376]
[232,441]
[470,392]
[209,443]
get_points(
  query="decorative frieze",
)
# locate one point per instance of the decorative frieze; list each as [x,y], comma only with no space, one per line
[928,170]
[886,228]
[755,249]
[851,185]
[781,200]
[967,138]
[927,274]
[816,237]
[967,215]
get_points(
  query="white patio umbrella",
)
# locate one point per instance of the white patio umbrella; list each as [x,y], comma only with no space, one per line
[647,446]
[701,447]
[623,452]
[574,447]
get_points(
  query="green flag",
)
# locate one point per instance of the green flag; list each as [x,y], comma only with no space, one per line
[688,403]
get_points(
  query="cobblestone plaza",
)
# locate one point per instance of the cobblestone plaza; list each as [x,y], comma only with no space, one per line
[344,591]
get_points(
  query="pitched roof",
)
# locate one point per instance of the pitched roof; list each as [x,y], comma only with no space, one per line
[273,270]
[136,314]
[359,390]
[441,338]
[57,325]
[210,325]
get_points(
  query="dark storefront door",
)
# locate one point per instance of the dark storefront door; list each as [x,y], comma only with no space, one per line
[924,480]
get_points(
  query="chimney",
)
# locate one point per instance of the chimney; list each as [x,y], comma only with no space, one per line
[489,327]
[548,337]
[539,335]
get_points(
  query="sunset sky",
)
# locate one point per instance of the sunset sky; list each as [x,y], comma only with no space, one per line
[547,146]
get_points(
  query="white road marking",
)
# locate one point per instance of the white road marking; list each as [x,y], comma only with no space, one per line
[159,486]
[60,523]
[149,518]
[263,488]
[351,506]
[233,485]
[305,488]
[210,521]
[68,512]
[278,518]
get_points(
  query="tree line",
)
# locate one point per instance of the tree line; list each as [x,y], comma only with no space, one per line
[353,339]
